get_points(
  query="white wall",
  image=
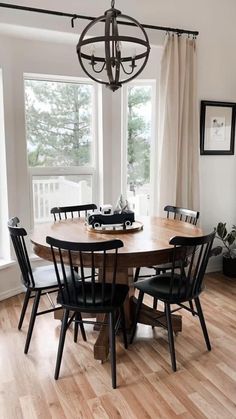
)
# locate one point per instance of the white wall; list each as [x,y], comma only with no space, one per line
[216,69]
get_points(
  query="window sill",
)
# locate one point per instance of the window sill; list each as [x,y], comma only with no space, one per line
[6,263]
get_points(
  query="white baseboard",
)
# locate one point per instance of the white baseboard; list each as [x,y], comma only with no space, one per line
[10,293]
[214,265]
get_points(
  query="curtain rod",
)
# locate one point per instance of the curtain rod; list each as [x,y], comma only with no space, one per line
[76,16]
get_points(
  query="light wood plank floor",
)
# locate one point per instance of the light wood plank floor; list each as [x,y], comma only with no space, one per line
[203,387]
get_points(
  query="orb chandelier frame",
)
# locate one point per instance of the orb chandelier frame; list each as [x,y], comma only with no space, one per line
[114,62]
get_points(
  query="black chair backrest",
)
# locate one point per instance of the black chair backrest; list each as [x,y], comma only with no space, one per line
[62,212]
[182,214]
[197,250]
[91,290]
[17,235]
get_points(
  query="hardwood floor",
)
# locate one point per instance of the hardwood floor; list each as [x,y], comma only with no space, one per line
[203,387]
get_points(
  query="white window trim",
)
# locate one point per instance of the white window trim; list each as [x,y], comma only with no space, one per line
[92,170]
[153,151]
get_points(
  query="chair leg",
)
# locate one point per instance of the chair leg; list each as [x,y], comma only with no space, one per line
[136,275]
[82,329]
[26,300]
[112,344]
[191,307]
[155,302]
[61,343]
[203,324]
[76,327]
[122,315]
[136,316]
[32,320]
[71,320]
[170,336]
[158,271]
[79,317]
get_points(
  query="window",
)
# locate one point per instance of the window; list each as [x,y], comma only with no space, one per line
[138,146]
[60,133]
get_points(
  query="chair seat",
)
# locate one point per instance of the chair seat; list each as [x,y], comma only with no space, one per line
[45,277]
[159,287]
[102,304]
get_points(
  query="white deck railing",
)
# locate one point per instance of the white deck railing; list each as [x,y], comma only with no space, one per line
[49,193]
[140,204]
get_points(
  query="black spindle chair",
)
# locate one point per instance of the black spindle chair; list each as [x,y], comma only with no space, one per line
[38,281]
[89,294]
[182,214]
[180,285]
[176,213]
[72,211]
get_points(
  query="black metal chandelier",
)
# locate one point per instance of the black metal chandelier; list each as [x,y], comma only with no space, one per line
[117,65]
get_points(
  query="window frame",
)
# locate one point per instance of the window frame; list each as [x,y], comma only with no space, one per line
[93,169]
[153,143]
[4,236]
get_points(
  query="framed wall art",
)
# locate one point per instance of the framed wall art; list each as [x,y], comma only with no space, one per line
[217,128]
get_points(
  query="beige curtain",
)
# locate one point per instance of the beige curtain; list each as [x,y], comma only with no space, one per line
[178,135]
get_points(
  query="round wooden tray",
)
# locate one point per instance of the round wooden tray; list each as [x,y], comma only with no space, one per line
[116,229]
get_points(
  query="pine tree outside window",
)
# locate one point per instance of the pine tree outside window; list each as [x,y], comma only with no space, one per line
[60,133]
[139,144]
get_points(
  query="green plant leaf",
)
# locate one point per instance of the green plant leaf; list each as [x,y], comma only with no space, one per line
[230,238]
[221,230]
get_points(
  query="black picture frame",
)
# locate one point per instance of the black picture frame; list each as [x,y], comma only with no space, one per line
[217,128]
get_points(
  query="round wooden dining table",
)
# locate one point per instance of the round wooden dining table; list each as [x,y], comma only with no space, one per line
[143,247]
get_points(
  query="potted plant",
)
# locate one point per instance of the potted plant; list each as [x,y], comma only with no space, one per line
[229,256]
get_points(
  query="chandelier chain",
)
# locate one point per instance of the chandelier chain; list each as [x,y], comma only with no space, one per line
[112,4]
